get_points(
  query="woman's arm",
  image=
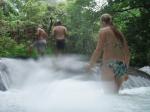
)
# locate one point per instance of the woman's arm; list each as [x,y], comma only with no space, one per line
[99,48]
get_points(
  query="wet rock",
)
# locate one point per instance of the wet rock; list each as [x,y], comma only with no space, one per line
[2,87]
[136,72]
[3,68]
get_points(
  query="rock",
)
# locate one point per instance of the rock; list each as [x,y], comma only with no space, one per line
[136,72]
[145,69]
[3,68]
[2,87]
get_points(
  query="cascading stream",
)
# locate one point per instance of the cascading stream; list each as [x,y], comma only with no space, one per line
[61,84]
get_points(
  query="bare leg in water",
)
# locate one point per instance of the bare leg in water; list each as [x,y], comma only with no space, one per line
[120,81]
[108,76]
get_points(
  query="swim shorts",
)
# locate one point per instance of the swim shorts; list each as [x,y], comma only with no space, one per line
[60,44]
[118,67]
[40,45]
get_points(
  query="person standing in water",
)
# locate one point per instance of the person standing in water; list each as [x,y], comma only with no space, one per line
[40,41]
[60,34]
[113,47]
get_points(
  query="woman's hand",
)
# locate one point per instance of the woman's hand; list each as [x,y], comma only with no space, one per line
[88,67]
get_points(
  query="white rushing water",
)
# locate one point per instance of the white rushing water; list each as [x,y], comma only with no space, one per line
[59,84]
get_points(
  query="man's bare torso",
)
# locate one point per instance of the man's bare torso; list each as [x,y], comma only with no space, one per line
[59,32]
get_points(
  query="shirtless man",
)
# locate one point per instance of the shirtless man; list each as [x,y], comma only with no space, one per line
[60,33]
[114,50]
[40,42]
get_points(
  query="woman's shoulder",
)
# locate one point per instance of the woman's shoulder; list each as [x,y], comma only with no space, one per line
[105,29]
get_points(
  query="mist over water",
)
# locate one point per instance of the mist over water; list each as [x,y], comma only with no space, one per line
[61,84]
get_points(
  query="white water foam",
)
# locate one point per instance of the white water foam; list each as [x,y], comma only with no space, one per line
[60,85]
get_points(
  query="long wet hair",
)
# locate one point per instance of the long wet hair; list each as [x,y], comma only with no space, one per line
[107,19]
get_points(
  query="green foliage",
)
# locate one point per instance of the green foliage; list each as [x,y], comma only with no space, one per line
[10,48]
[81,25]
[18,20]
[133,17]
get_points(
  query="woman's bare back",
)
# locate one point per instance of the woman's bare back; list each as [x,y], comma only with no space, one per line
[113,49]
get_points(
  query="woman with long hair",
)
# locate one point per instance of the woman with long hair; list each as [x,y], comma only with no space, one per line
[113,47]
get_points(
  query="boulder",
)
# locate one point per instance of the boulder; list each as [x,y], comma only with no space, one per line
[3,69]
[136,72]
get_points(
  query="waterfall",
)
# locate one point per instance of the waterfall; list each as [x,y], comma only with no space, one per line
[17,73]
[61,84]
